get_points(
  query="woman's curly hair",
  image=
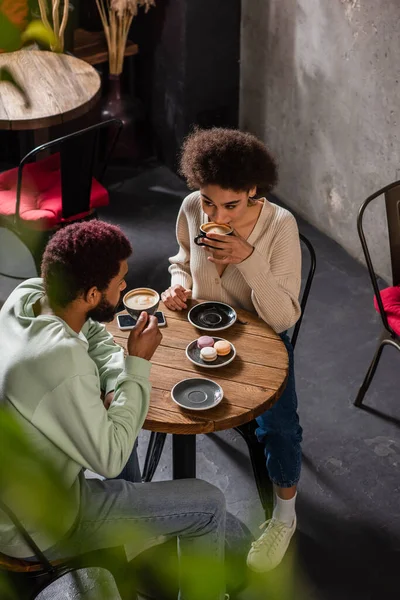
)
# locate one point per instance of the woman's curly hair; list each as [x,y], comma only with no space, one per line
[81,256]
[232,159]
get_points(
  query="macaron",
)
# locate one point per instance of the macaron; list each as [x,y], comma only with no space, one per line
[205,341]
[208,354]
[222,347]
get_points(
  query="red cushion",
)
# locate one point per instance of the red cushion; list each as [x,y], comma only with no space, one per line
[41,204]
[391,303]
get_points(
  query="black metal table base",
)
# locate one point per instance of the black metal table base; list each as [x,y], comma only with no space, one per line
[184,460]
[183,456]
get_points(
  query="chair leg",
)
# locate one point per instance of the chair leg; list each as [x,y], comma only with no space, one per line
[370,375]
[153,455]
[257,457]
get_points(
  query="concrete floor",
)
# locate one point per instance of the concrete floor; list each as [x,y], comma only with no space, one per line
[347,545]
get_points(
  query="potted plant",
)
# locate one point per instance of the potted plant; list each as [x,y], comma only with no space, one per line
[116,17]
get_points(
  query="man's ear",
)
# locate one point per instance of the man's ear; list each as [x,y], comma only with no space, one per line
[92,297]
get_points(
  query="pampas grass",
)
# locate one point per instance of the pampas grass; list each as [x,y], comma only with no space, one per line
[116,16]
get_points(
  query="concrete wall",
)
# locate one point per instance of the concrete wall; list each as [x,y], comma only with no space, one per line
[320,84]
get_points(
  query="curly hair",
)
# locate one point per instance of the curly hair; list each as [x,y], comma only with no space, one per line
[232,159]
[81,256]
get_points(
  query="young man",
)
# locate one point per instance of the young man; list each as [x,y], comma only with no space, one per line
[257,269]
[56,361]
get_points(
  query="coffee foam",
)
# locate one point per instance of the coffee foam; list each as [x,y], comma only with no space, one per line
[220,229]
[140,300]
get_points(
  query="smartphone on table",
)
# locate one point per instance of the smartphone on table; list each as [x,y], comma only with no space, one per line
[126,322]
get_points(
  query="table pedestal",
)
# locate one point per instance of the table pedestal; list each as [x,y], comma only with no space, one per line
[184,456]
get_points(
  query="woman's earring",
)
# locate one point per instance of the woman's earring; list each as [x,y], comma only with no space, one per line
[252,200]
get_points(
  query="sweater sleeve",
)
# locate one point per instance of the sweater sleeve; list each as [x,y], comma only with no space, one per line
[275,283]
[180,263]
[72,417]
[108,356]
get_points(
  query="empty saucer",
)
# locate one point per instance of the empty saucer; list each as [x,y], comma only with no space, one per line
[193,354]
[212,316]
[197,394]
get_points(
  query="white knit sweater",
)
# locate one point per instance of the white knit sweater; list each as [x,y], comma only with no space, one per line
[268,282]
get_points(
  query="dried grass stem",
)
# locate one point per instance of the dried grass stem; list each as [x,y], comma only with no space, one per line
[116,16]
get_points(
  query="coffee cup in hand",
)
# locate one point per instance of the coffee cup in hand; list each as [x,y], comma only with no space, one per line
[211,227]
[141,300]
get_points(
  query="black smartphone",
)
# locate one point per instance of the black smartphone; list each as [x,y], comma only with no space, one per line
[126,322]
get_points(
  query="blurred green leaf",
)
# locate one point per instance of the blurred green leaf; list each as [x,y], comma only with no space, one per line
[6,590]
[31,482]
[32,487]
[6,75]
[36,31]
[10,35]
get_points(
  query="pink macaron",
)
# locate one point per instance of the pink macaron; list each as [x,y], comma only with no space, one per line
[205,341]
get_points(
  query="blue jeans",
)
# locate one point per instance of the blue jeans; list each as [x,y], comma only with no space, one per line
[116,513]
[131,471]
[280,432]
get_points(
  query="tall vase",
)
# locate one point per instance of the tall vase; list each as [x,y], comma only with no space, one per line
[121,106]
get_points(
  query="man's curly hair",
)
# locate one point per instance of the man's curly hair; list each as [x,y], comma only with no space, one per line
[81,256]
[232,159]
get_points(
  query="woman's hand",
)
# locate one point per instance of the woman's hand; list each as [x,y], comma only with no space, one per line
[175,297]
[227,249]
[108,399]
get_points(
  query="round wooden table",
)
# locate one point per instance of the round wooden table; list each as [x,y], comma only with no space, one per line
[252,383]
[60,88]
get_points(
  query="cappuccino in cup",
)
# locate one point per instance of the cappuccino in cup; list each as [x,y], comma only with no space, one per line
[141,299]
[212,227]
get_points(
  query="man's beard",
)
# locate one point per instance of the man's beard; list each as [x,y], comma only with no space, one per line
[104,311]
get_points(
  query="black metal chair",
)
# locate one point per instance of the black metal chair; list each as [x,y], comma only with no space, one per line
[247,431]
[59,189]
[27,579]
[391,194]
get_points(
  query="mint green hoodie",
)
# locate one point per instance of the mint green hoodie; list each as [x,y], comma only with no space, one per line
[51,378]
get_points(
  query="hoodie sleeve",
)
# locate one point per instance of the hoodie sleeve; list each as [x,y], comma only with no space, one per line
[72,417]
[108,356]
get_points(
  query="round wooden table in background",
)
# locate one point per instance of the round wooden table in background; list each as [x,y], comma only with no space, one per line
[252,383]
[60,88]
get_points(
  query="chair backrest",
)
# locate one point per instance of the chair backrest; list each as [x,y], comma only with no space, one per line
[307,286]
[79,163]
[45,564]
[391,193]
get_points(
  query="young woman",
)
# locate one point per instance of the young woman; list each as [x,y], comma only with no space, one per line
[257,269]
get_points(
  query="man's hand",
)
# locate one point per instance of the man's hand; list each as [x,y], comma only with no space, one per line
[108,399]
[145,337]
[175,297]
[227,249]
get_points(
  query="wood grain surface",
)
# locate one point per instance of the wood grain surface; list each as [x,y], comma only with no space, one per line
[60,88]
[252,383]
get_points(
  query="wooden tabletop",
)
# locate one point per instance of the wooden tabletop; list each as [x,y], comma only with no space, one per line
[252,383]
[60,88]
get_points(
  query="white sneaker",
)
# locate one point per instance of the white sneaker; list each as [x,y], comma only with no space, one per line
[267,552]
